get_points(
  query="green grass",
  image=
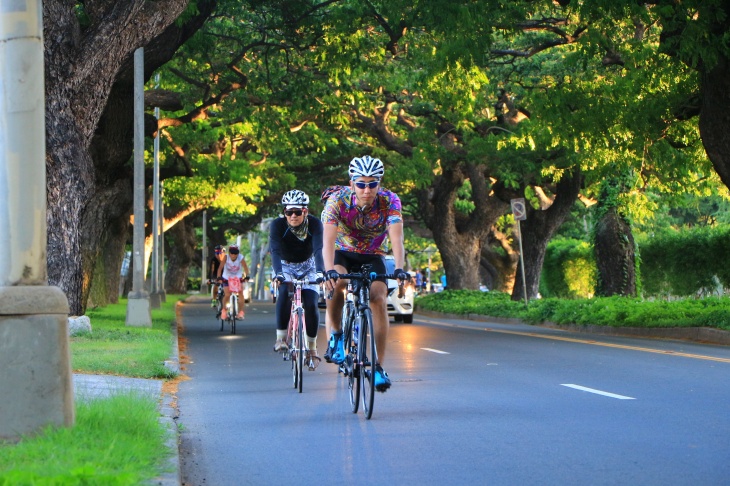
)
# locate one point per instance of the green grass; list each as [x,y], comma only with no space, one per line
[601,311]
[116,441]
[114,348]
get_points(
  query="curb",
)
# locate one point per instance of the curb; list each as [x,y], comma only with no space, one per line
[169,415]
[702,335]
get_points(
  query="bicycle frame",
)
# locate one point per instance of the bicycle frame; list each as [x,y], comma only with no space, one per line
[358,366]
[297,345]
[235,286]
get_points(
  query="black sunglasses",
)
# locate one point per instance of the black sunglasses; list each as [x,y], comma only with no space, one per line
[371,184]
[293,212]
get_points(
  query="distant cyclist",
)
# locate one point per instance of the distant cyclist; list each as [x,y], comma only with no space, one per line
[215,263]
[232,266]
[357,219]
[296,248]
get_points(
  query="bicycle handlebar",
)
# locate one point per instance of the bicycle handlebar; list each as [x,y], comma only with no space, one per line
[303,282]
[373,276]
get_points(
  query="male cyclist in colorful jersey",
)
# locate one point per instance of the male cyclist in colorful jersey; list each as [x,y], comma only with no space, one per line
[356,221]
[296,249]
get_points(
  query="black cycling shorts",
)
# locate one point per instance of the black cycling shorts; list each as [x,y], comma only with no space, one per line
[353,261]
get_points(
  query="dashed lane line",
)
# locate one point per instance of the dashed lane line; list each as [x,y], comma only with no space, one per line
[598,392]
[437,351]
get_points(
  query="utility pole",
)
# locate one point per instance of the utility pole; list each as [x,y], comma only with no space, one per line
[155,290]
[161,251]
[138,301]
[204,264]
[35,381]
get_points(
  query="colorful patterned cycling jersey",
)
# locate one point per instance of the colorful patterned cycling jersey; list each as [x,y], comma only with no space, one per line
[358,231]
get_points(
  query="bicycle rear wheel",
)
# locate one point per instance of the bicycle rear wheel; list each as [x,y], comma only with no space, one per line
[218,314]
[368,356]
[234,312]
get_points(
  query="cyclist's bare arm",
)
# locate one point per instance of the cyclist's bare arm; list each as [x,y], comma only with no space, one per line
[328,252]
[395,235]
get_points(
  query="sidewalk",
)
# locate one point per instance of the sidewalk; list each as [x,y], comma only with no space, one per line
[90,387]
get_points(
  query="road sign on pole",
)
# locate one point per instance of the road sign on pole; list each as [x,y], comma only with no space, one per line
[520,212]
[518,209]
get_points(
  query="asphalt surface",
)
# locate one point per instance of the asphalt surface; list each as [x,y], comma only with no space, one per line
[472,402]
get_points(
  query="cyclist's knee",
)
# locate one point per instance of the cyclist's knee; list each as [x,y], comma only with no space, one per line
[378,298]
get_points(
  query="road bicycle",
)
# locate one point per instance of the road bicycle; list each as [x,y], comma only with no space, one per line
[297,350]
[232,308]
[217,300]
[358,334]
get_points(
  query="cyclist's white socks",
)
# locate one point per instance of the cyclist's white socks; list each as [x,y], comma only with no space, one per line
[312,343]
[281,334]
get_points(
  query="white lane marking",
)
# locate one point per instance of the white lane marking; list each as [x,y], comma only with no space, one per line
[435,351]
[598,392]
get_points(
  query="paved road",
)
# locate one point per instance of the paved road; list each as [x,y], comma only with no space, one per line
[472,403]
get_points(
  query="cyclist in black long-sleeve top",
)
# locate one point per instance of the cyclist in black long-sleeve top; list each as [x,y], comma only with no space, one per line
[296,248]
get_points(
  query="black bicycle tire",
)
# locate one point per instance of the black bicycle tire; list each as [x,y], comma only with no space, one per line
[353,383]
[300,347]
[234,312]
[220,313]
[368,357]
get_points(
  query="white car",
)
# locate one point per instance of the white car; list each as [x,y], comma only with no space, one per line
[400,308]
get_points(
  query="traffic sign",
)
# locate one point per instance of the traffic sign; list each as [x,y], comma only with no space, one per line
[519,209]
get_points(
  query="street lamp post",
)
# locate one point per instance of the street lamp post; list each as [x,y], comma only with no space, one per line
[138,301]
[155,273]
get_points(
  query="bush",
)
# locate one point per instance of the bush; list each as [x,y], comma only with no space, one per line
[603,311]
[569,270]
[685,263]
[194,283]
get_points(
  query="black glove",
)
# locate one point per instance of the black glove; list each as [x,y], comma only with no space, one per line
[280,278]
[401,275]
[332,275]
[319,278]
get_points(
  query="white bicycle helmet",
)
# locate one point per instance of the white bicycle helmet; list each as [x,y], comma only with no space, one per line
[295,198]
[366,166]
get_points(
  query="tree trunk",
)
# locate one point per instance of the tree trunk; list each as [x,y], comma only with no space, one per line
[81,64]
[107,272]
[538,230]
[499,266]
[615,256]
[714,121]
[180,256]
[459,237]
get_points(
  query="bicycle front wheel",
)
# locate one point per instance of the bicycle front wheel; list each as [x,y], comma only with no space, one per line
[350,364]
[368,356]
[300,347]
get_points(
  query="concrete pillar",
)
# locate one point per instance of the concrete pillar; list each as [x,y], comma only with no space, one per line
[36,387]
[138,301]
